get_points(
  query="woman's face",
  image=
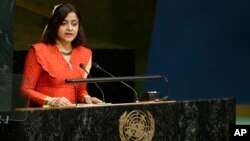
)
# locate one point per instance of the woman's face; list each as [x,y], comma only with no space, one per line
[68,30]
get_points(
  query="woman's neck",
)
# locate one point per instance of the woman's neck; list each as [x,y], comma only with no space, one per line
[64,46]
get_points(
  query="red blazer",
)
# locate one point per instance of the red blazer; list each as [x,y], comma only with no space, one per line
[45,71]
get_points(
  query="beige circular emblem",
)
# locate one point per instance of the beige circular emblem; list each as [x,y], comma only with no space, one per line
[136,126]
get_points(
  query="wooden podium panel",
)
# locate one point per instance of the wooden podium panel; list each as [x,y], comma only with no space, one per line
[201,120]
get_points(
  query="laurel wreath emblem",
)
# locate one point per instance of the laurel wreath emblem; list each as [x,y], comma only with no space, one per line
[136,126]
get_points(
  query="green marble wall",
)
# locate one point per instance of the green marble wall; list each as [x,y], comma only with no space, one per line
[6,34]
[6,51]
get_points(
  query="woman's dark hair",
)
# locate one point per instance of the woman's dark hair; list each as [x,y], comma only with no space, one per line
[50,34]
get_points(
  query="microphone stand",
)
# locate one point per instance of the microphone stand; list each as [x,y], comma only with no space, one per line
[136,95]
[83,67]
[113,79]
[74,91]
[166,81]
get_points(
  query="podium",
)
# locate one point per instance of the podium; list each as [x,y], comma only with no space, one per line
[196,120]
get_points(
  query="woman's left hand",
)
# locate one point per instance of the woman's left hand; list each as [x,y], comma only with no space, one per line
[92,100]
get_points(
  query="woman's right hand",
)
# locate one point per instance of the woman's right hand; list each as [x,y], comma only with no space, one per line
[58,102]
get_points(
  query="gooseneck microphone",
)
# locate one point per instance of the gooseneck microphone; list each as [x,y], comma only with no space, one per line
[83,67]
[98,67]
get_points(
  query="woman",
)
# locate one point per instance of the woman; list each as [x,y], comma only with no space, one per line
[56,58]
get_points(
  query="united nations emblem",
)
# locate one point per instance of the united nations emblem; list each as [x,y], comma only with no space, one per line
[136,126]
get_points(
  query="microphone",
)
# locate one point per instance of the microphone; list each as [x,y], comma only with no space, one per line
[98,67]
[83,67]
